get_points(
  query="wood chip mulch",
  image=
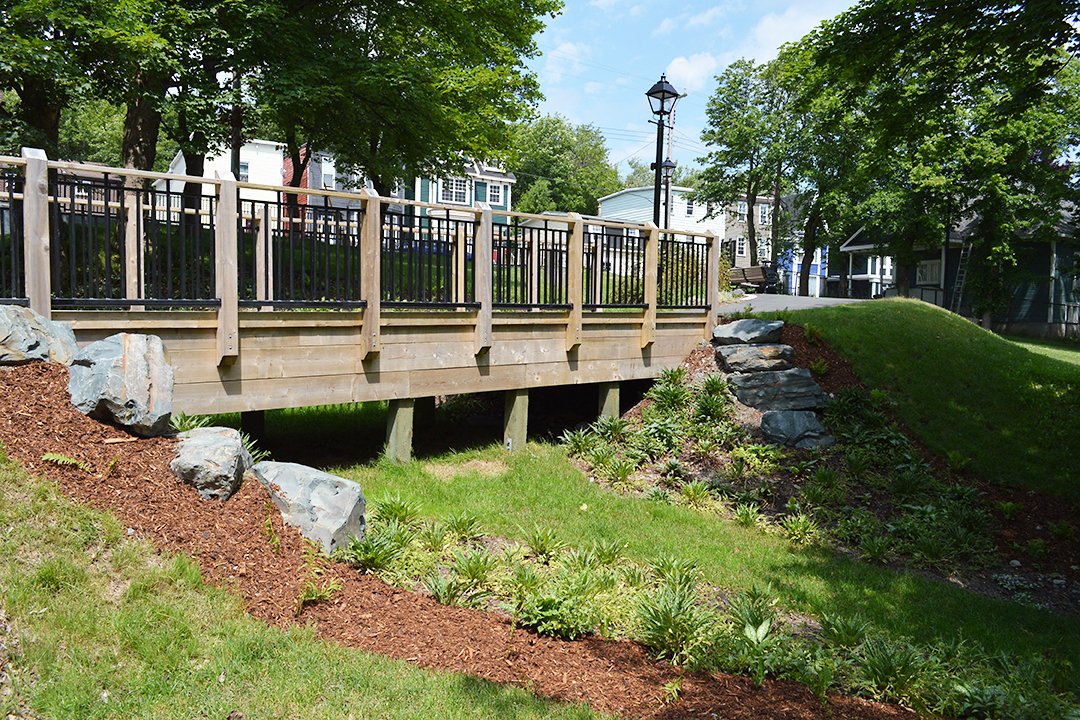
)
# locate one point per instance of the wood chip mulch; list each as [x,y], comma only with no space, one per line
[229,540]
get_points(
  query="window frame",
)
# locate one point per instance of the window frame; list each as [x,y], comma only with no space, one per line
[451,184]
[497,190]
[740,246]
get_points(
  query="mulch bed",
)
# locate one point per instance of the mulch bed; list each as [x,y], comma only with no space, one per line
[230,542]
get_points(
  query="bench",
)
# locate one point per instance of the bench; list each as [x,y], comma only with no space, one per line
[761,278]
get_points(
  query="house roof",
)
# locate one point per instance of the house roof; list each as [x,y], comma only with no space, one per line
[648,188]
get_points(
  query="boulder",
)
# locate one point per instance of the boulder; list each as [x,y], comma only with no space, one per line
[325,508]
[748,331]
[124,379]
[754,358]
[26,336]
[792,389]
[212,460]
[796,428]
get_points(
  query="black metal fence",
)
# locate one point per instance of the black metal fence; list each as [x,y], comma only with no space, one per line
[293,255]
[528,264]
[682,273]
[613,266]
[89,222]
[12,279]
[427,260]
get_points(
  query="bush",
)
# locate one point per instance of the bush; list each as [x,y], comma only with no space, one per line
[373,553]
[565,615]
[674,626]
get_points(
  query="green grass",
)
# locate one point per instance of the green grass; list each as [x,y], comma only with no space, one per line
[109,629]
[1065,350]
[541,488]
[1014,409]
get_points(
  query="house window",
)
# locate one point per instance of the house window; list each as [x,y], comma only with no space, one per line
[454,190]
[495,194]
[244,172]
[742,211]
[689,207]
[928,272]
[763,214]
[329,177]
[740,247]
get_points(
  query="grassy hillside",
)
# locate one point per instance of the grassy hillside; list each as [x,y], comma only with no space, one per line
[1013,411]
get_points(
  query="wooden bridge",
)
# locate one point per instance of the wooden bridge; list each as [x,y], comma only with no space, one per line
[268,299]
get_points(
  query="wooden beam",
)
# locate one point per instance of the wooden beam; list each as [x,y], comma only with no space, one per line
[36,251]
[225,245]
[399,430]
[712,292]
[652,261]
[370,272]
[482,276]
[609,399]
[516,419]
[575,252]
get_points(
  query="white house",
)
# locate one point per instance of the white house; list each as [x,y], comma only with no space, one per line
[636,205]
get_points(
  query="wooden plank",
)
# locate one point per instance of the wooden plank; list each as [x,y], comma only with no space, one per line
[652,261]
[574,260]
[225,246]
[482,276]
[713,290]
[370,272]
[36,231]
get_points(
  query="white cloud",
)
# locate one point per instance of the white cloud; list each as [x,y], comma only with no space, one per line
[592,87]
[665,27]
[603,4]
[564,60]
[775,29]
[693,73]
[707,17]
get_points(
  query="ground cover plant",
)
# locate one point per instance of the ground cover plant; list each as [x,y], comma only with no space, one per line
[959,388]
[106,627]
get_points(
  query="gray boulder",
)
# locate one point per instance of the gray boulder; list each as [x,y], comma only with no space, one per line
[325,508]
[796,428]
[26,336]
[748,331]
[792,389]
[212,460]
[124,379]
[754,358]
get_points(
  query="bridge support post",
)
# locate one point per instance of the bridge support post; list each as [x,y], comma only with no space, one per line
[36,231]
[399,430]
[609,399]
[515,419]
[253,422]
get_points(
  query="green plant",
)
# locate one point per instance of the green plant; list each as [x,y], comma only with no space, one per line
[608,551]
[889,669]
[398,510]
[845,631]
[563,615]
[711,408]
[670,692]
[611,428]
[111,466]
[748,514]
[543,542]
[257,454]
[674,570]
[65,461]
[465,527]
[1063,530]
[372,553]
[800,528]
[272,538]
[658,495]
[524,580]
[875,548]
[619,470]
[674,626]
[818,366]
[182,422]
[314,588]
[858,463]
[697,493]
[580,559]
[753,607]
[715,385]
[577,442]
[957,460]
[758,641]
[455,591]
[673,470]
[433,537]
[474,566]
[1008,510]
[812,334]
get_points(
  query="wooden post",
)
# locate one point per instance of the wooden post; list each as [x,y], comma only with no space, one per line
[36,251]
[370,273]
[132,242]
[399,430]
[609,399]
[575,253]
[712,292]
[459,265]
[652,260]
[264,261]
[482,276]
[533,243]
[225,246]
[515,419]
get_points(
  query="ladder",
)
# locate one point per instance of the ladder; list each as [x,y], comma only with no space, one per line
[961,275]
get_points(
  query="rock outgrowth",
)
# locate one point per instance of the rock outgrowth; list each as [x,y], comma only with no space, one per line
[761,376]
[748,331]
[212,460]
[326,509]
[26,336]
[124,379]
[797,428]
[793,389]
[754,358]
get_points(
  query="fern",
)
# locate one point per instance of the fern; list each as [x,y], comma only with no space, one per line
[65,461]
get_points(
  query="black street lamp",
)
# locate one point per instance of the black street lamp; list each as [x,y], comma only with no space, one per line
[667,170]
[662,97]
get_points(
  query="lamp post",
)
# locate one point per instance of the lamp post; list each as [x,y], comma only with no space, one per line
[662,97]
[667,169]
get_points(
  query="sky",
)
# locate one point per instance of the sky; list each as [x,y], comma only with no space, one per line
[599,57]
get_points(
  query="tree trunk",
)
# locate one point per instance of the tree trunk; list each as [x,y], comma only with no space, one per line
[775,234]
[142,122]
[751,231]
[41,111]
[809,245]
[298,160]
[195,165]
[842,285]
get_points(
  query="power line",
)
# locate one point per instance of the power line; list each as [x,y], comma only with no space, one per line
[617,71]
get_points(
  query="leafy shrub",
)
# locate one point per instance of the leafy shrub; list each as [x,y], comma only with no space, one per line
[711,408]
[456,591]
[543,542]
[673,470]
[800,528]
[845,631]
[753,607]
[398,533]
[608,552]
[474,566]
[619,470]
[748,514]
[465,527]
[669,397]
[697,493]
[611,428]
[889,670]
[715,385]
[875,548]
[667,432]
[373,553]
[676,571]
[564,616]
[674,626]
[433,537]
[577,442]
[524,580]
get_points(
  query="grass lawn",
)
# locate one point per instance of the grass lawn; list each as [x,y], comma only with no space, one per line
[1066,350]
[540,487]
[110,629]
[1013,409]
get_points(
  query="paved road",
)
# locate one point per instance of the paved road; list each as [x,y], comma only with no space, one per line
[774,303]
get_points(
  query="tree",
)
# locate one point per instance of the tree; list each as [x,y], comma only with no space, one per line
[641,175]
[571,160]
[742,128]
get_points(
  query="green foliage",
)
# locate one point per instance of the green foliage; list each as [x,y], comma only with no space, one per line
[465,527]
[65,461]
[373,553]
[182,422]
[456,591]
[474,566]
[748,515]
[562,615]
[674,626]
[257,453]
[843,631]
[818,366]
[890,670]
[577,442]
[697,493]
[752,608]
[543,542]
[397,510]
[610,428]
